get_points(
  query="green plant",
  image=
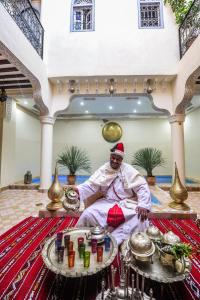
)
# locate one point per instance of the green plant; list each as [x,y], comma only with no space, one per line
[148,159]
[74,159]
[181,250]
[180,8]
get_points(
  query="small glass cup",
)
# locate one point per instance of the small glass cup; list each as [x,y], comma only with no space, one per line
[59,235]
[66,240]
[80,241]
[71,259]
[87,259]
[60,254]
[99,254]
[81,250]
[70,247]
[58,244]
[107,243]
[94,245]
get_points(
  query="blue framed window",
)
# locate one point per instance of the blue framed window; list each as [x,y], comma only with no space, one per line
[150,14]
[82,18]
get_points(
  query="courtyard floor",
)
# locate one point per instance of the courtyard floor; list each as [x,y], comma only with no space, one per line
[16,205]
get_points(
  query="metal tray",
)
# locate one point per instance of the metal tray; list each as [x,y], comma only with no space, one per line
[50,258]
[156,270]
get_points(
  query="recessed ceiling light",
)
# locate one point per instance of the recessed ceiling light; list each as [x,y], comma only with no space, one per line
[134,110]
[25,102]
[86,111]
[82,103]
[139,102]
[110,107]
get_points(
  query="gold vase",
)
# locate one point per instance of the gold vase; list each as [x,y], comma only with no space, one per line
[55,193]
[178,193]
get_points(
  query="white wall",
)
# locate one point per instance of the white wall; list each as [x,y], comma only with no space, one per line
[116,46]
[21,142]
[8,155]
[192,144]
[28,136]
[137,134]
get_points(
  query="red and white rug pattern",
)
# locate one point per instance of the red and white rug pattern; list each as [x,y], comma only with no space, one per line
[188,232]
[24,276]
[22,271]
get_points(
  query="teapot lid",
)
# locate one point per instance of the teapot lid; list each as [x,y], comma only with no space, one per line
[141,244]
[153,232]
[71,194]
[171,238]
[97,230]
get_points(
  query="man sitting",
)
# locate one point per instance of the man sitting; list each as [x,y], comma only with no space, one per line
[125,197]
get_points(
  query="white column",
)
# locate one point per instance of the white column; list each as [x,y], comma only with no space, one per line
[47,123]
[178,149]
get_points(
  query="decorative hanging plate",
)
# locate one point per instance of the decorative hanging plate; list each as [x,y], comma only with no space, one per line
[112,132]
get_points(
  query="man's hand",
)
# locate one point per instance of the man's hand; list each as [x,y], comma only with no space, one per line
[142,213]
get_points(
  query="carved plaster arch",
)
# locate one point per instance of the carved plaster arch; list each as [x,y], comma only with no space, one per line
[71,97]
[157,108]
[34,81]
[189,91]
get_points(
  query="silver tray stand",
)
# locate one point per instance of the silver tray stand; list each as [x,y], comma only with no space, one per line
[50,258]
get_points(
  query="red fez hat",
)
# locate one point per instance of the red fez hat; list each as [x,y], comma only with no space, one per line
[118,149]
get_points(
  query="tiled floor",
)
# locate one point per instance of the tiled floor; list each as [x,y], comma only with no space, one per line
[15,205]
[193,200]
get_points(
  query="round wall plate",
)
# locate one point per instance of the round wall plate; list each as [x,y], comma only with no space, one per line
[112,132]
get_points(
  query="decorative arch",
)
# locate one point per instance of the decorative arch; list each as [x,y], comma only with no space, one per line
[36,86]
[82,15]
[189,91]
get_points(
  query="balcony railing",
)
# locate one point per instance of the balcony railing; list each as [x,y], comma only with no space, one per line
[25,17]
[190,28]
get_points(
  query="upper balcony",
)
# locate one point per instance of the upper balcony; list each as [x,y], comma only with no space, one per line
[26,18]
[190,28]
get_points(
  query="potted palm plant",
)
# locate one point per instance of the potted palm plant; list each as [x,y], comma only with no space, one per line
[75,159]
[148,159]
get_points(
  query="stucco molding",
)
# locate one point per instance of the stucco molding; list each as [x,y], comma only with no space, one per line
[177,118]
[47,120]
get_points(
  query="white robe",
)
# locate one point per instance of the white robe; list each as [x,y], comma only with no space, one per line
[124,187]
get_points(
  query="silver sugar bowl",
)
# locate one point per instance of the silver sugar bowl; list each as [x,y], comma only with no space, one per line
[141,246]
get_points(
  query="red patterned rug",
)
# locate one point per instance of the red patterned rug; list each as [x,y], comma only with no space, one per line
[188,232]
[23,274]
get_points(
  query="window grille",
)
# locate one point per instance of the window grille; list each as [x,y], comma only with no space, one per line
[82,15]
[150,14]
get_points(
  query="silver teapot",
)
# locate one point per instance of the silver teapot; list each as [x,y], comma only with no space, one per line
[98,233]
[71,201]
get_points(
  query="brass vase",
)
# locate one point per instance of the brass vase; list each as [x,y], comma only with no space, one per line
[55,193]
[178,193]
